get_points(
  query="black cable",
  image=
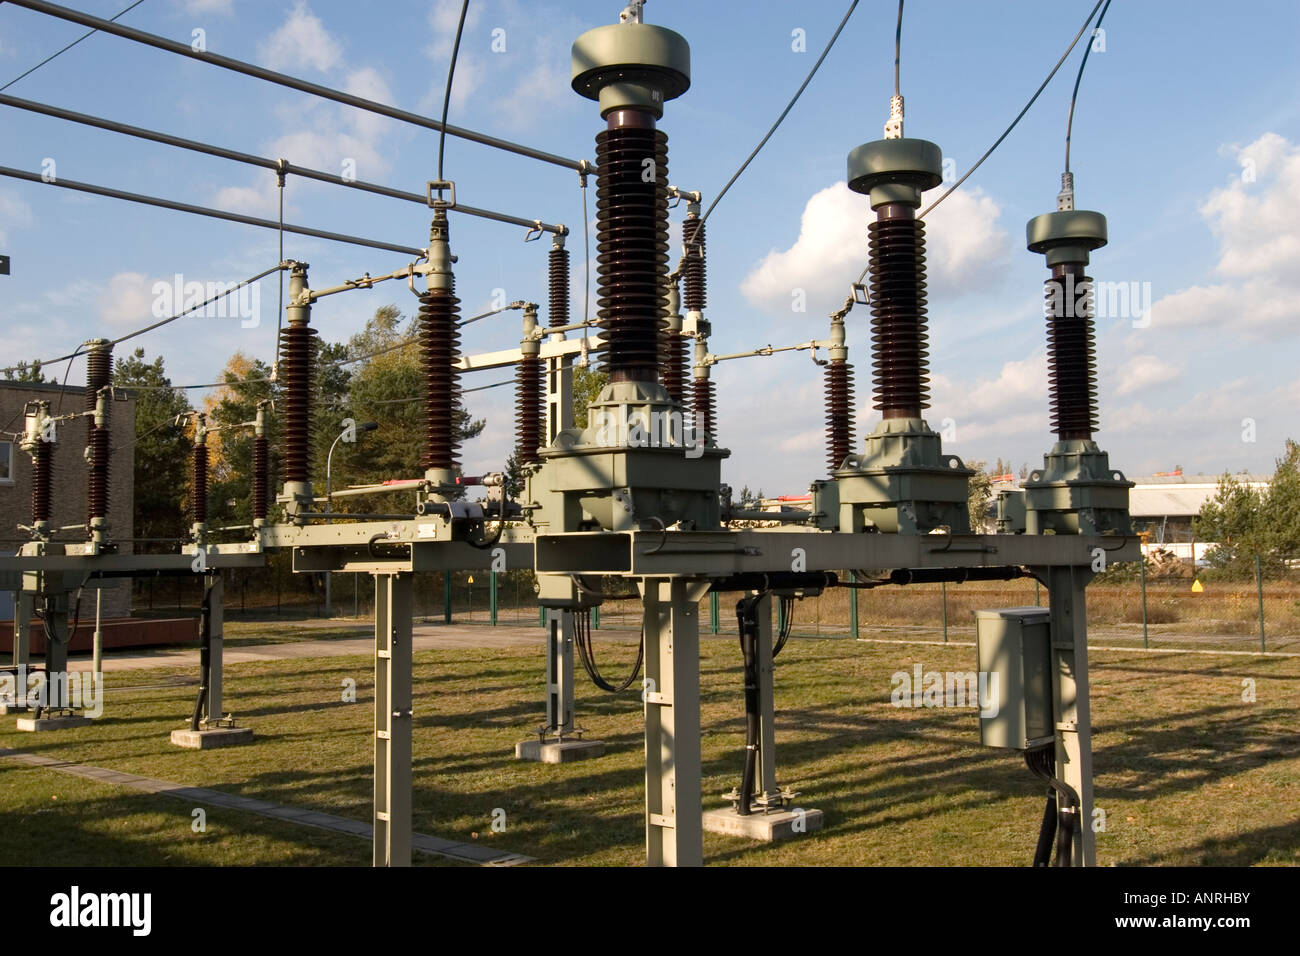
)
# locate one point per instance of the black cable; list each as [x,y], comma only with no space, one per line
[789,106]
[446,96]
[582,639]
[1014,122]
[1069,122]
[787,614]
[68,47]
[898,45]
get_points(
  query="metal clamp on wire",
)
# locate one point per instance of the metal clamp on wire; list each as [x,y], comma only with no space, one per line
[534,233]
[860,294]
[440,186]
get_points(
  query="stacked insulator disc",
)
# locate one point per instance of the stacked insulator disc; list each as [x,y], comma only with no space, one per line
[41,481]
[261,475]
[296,350]
[199,480]
[528,409]
[695,268]
[439,348]
[705,408]
[632,248]
[557,273]
[673,370]
[99,372]
[839,412]
[898,332]
[1071,356]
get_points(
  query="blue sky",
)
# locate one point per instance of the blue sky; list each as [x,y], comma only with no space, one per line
[1187,137]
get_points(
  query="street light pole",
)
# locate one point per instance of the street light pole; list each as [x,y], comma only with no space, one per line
[348,435]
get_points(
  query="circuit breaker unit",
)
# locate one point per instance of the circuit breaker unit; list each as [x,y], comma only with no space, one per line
[1014,648]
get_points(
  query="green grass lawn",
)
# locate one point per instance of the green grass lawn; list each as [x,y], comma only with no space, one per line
[1186,771]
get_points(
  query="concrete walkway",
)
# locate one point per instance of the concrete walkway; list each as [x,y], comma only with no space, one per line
[461,852]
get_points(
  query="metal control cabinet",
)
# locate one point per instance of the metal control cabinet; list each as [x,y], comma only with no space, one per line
[1015,645]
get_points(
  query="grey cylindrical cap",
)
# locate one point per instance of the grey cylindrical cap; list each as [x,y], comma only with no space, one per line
[631,66]
[1066,236]
[895,170]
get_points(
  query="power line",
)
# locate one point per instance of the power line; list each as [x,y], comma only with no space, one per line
[1007,132]
[789,106]
[275,165]
[898,47]
[1069,122]
[67,48]
[446,96]
[207,211]
[282,79]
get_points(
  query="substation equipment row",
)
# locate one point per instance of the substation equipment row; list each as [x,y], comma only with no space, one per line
[637,495]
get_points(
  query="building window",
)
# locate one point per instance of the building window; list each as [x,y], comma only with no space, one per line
[6,463]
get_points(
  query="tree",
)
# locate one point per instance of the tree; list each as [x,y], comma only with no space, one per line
[230,447]
[587,383]
[161,448]
[1281,528]
[979,489]
[24,372]
[1234,520]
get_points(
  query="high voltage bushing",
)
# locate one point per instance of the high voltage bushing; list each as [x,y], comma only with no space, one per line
[261,466]
[557,275]
[99,374]
[439,349]
[528,394]
[672,370]
[199,480]
[903,482]
[38,442]
[1076,491]
[295,376]
[638,464]
[839,398]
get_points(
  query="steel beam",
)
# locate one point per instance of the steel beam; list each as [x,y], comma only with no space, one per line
[559,673]
[392,810]
[213,638]
[1070,702]
[674,809]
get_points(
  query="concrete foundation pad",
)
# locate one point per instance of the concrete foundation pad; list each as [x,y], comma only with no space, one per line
[12,709]
[559,751]
[37,724]
[768,827]
[212,737]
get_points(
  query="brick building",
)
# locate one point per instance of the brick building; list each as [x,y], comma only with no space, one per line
[68,499]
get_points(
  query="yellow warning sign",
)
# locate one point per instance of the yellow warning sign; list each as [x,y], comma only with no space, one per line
[1197,587]
[471,579]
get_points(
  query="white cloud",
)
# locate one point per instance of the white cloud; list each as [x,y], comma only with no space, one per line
[301,41]
[251,200]
[1256,220]
[14,214]
[1142,372]
[128,299]
[223,7]
[963,243]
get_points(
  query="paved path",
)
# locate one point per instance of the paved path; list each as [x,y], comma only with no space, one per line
[461,852]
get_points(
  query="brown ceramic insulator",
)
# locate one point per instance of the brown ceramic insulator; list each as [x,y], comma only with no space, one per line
[557,274]
[528,409]
[695,267]
[673,371]
[261,474]
[295,379]
[898,333]
[199,485]
[631,246]
[41,482]
[99,374]
[1071,352]
[705,409]
[97,485]
[439,349]
[839,412]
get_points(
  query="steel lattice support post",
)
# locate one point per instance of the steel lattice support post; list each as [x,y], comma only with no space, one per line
[559,672]
[674,808]
[22,649]
[212,637]
[392,812]
[1070,704]
[766,789]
